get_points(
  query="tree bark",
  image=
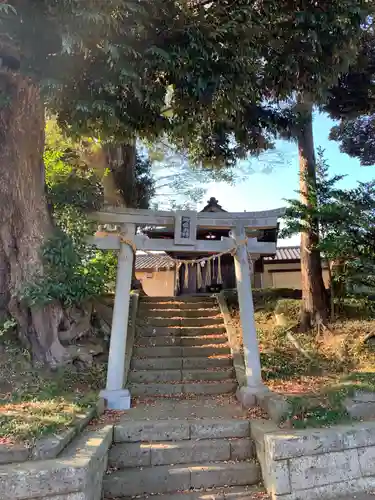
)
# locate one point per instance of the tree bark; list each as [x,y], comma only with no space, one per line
[24,216]
[121,162]
[314,296]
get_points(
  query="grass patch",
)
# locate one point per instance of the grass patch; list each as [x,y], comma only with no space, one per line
[316,375]
[36,402]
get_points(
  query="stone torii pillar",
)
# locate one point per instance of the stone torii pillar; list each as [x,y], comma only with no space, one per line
[254,385]
[116,396]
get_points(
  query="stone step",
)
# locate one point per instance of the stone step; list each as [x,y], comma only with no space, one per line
[203,362]
[179,299]
[148,376]
[176,331]
[208,304]
[176,389]
[176,351]
[180,363]
[226,493]
[218,374]
[170,340]
[132,431]
[183,322]
[205,350]
[167,478]
[178,313]
[179,452]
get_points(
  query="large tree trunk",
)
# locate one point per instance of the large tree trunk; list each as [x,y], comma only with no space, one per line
[24,215]
[121,162]
[314,296]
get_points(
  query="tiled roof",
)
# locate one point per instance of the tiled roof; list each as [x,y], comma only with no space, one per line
[285,254]
[153,261]
[163,261]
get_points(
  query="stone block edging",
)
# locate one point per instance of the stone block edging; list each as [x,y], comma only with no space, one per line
[77,474]
[315,463]
[238,358]
[50,446]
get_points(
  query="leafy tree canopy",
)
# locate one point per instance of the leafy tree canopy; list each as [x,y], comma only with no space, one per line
[345,218]
[357,138]
[198,71]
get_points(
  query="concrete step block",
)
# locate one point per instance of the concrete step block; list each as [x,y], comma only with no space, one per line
[193,375]
[204,362]
[154,322]
[156,364]
[142,454]
[178,300]
[184,452]
[225,474]
[156,389]
[178,313]
[203,339]
[135,481]
[167,478]
[179,306]
[215,320]
[245,492]
[165,389]
[176,341]
[151,430]
[150,376]
[210,388]
[242,449]
[126,455]
[197,351]
[132,431]
[219,429]
[157,352]
[163,341]
[178,331]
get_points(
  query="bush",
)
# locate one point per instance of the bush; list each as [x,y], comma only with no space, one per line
[357,307]
[74,272]
[290,308]
[265,299]
[264,294]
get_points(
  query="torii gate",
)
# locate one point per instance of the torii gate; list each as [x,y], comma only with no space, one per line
[185,225]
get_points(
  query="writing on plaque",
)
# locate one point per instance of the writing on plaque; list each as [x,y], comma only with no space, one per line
[185,227]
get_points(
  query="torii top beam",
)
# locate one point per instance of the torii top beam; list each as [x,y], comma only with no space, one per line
[226,220]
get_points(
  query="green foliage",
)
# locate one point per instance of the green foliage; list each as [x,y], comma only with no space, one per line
[191,70]
[345,221]
[352,101]
[7,326]
[74,271]
[356,138]
[357,306]
[320,207]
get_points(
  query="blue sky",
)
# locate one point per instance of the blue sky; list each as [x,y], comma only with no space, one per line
[262,191]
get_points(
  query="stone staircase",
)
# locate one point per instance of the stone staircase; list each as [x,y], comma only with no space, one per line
[183,447]
[186,432]
[181,348]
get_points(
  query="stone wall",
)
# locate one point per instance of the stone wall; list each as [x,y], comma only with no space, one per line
[76,475]
[316,463]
